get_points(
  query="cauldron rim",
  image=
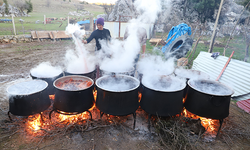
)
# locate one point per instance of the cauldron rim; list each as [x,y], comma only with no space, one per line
[12,94]
[71,76]
[66,71]
[210,81]
[184,85]
[120,75]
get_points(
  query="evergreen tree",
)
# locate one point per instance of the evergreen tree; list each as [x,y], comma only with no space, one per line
[204,8]
[29,6]
[244,3]
[6,7]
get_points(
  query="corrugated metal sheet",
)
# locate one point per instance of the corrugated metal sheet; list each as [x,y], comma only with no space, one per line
[243,97]
[245,105]
[236,75]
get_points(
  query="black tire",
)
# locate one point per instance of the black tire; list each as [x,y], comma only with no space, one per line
[179,47]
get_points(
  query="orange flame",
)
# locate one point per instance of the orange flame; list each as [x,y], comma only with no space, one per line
[210,124]
[72,118]
[139,95]
[52,97]
[34,122]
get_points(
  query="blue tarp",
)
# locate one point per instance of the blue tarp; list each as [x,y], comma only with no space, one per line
[5,20]
[180,29]
[85,22]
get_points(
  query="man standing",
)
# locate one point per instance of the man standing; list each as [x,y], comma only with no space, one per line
[99,34]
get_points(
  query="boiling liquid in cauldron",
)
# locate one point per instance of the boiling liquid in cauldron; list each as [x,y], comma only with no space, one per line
[73,85]
[211,88]
[165,84]
[117,84]
[28,87]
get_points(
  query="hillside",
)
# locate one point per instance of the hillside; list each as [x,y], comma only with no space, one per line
[50,8]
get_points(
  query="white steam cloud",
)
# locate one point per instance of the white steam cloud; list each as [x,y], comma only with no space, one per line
[45,70]
[156,65]
[80,60]
[121,54]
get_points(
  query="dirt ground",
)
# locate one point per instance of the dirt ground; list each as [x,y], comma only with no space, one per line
[15,65]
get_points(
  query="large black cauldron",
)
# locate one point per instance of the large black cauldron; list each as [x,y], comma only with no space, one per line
[49,79]
[189,74]
[73,101]
[162,96]
[28,98]
[207,98]
[117,95]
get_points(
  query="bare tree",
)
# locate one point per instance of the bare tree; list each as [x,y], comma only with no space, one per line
[108,8]
[79,7]
[20,4]
[48,3]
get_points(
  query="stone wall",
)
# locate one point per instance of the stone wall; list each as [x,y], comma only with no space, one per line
[15,39]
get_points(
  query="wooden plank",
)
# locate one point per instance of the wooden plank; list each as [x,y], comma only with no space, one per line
[53,36]
[43,34]
[33,34]
[154,41]
[37,36]
[61,34]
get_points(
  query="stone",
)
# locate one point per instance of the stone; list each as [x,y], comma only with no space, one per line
[6,40]
[13,41]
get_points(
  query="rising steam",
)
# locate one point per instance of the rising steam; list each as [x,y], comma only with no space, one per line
[79,61]
[121,54]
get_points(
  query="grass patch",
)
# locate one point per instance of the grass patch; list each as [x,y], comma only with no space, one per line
[236,44]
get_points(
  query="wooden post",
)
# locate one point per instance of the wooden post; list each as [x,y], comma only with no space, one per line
[91,25]
[119,26]
[44,22]
[13,21]
[210,50]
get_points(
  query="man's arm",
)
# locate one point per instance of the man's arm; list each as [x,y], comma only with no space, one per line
[90,38]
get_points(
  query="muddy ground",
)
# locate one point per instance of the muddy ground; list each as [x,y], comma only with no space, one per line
[15,64]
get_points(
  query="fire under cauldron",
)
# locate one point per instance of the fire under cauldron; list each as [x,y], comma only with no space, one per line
[117,95]
[73,95]
[189,74]
[28,98]
[162,95]
[209,99]
[91,73]
[49,79]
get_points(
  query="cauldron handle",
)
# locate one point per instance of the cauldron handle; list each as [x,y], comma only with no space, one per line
[215,104]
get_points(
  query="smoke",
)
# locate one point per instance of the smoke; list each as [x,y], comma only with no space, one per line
[80,60]
[119,56]
[45,70]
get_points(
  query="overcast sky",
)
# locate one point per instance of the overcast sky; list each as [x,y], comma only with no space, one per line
[100,1]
